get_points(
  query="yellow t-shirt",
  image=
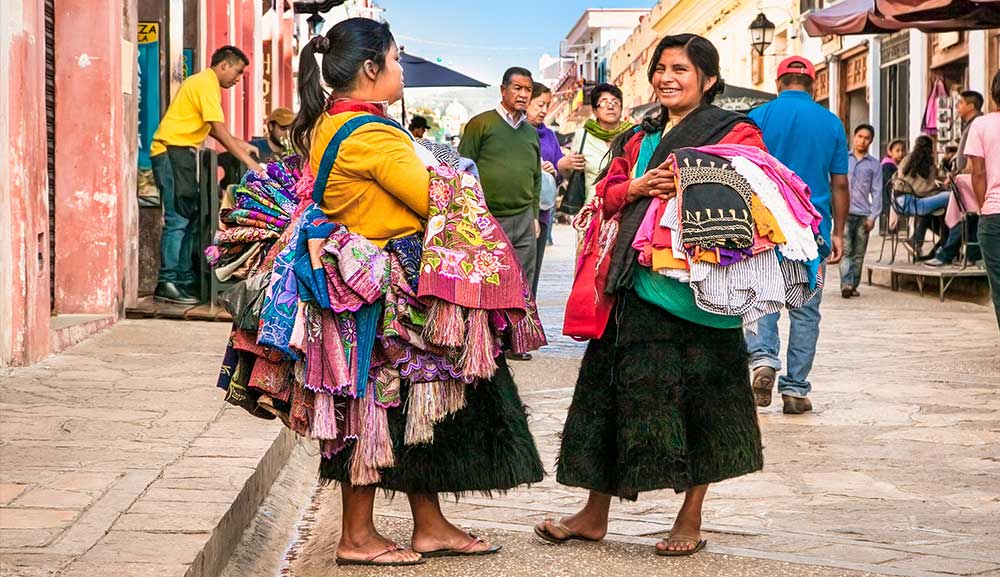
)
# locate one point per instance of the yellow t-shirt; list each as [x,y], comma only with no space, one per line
[378,186]
[186,123]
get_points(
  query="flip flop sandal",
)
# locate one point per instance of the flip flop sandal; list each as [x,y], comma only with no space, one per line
[699,545]
[371,561]
[570,535]
[463,551]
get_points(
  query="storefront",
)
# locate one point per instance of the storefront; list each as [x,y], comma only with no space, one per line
[853,100]
[894,81]
[821,88]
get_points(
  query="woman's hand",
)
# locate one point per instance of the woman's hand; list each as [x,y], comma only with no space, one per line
[548,167]
[658,182]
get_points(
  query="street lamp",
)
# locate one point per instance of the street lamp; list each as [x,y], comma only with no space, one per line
[316,23]
[761,33]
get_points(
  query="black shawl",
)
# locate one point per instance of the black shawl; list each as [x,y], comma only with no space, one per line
[705,125]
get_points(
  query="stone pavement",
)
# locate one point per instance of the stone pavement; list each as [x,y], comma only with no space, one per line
[119,457]
[895,472]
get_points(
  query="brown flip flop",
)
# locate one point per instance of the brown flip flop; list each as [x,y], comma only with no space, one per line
[463,551]
[371,561]
[699,545]
[570,535]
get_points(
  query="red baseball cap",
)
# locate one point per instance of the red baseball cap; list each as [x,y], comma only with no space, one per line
[796,65]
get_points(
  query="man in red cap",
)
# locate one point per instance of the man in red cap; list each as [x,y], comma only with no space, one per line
[811,141]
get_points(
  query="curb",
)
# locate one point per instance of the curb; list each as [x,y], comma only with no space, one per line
[226,536]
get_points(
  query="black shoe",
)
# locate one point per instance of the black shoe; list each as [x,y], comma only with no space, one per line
[846,293]
[795,405]
[512,356]
[168,292]
[855,293]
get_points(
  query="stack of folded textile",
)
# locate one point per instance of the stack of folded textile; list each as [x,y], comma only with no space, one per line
[262,209]
[740,232]
[348,329]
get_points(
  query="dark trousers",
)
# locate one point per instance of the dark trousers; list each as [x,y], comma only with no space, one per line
[989,242]
[949,250]
[543,240]
[177,178]
[520,230]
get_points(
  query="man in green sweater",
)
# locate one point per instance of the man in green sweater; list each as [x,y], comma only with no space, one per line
[505,147]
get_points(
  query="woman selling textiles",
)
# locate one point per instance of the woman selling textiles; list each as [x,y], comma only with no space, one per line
[378,188]
[663,398]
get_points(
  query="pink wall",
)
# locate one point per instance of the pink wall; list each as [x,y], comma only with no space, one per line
[24,253]
[96,224]
[95,158]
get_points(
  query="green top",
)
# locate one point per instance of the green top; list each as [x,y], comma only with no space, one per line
[509,162]
[677,298]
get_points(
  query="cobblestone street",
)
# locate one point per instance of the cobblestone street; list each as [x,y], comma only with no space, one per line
[895,472]
[117,458]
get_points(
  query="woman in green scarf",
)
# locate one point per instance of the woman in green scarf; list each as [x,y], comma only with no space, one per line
[590,144]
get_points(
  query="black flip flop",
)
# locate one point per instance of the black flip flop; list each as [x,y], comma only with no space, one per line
[570,536]
[699,545]
[462,551]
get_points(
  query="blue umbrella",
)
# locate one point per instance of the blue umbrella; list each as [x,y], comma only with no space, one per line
[420,73]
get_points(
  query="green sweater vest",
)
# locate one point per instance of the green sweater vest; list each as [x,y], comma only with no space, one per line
[509,162]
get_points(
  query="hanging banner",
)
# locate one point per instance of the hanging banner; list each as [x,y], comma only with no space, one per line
[149,88]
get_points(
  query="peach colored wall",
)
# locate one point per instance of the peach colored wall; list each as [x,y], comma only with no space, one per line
[96,213]
[24,252]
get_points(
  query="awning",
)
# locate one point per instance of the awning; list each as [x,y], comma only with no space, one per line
[735,98]
[420,73]
[917,10]
[850,17]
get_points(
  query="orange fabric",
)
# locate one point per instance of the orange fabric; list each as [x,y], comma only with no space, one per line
[664,258]
[767,225]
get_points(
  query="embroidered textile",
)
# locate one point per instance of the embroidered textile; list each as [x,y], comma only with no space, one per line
[714,201]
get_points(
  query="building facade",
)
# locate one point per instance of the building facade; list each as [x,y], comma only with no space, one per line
[588,48]
[94,78]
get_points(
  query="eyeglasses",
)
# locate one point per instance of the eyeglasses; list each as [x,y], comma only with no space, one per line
[609,104]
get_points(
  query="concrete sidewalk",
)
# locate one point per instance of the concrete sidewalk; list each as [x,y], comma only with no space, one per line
[119,457]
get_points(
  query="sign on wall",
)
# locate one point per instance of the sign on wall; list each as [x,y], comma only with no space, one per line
[149,88]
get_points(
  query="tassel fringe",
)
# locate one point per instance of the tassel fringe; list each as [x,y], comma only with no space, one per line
[373,450]
[444,326]
[477,358]
[324,422]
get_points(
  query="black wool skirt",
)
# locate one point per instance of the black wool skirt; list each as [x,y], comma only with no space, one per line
[660,403]
[483,448]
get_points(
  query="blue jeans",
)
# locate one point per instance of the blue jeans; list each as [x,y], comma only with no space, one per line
[178,232]
[855,246]
[765,346]
[914,205]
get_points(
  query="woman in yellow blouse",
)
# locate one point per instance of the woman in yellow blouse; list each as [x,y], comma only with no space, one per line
[378,187]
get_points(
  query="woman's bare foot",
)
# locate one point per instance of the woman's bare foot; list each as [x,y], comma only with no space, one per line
[374,544]
[585,525]
[445,536]
[685,536]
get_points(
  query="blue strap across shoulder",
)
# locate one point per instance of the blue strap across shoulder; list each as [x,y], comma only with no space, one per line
[333,148]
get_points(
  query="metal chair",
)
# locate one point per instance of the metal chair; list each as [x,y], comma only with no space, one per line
[953,184]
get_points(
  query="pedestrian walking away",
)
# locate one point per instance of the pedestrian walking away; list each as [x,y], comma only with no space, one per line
[399,394]
[194,114]
[983,152]
[505,148]
[809,140]
[662,399]
[865,181]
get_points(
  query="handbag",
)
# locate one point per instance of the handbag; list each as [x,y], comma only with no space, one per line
[588,307]
[245,299]
[576,187]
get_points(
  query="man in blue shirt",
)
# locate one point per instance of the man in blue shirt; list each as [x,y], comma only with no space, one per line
[865,180]
[810,140]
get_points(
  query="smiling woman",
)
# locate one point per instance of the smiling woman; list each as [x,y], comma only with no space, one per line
[663,397]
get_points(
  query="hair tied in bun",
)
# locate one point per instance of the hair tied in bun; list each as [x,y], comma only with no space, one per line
[321,44]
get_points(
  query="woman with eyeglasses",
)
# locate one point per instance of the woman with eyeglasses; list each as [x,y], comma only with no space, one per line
[591,143]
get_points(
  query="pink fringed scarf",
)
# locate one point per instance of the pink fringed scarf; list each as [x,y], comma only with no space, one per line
[469,268]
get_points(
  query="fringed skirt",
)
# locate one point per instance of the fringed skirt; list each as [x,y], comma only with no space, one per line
[660,403]
[484,447]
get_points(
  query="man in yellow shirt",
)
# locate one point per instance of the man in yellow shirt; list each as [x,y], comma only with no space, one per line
[195,113]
